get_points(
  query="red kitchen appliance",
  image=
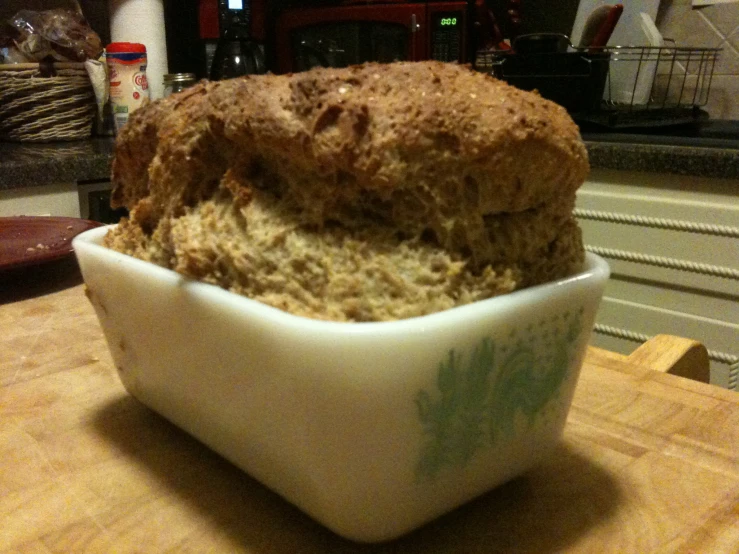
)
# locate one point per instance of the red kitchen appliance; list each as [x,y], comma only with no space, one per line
[339,34]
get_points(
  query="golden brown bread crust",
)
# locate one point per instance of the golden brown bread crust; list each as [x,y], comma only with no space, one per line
[435,152]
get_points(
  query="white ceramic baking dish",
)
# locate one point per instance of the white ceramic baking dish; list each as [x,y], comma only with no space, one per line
[371,428]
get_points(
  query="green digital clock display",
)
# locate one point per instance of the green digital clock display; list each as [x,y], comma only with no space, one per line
[448,21]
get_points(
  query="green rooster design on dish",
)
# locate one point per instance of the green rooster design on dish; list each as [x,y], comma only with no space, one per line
[480,395]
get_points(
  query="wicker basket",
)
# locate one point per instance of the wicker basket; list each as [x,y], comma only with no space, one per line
[36,108]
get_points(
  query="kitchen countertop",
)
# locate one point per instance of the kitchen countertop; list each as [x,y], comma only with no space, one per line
[648,461]
[24,165]
[678,159]
[708,149]
[28,165]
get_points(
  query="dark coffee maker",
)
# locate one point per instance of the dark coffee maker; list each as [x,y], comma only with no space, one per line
[236,53]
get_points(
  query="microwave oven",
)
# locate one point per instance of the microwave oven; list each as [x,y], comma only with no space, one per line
[343,34]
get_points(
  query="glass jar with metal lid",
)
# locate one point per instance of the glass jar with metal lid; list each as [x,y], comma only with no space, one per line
[177,82]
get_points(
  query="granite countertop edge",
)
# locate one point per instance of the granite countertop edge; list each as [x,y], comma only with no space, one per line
[23,174]
[722,163]
[23,166]
[34,165]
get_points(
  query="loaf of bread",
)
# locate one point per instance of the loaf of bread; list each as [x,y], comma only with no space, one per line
[370,193]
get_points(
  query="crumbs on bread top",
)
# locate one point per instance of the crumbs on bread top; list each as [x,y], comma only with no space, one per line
[375,126]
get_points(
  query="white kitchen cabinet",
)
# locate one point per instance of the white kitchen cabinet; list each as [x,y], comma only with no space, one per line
[664,279]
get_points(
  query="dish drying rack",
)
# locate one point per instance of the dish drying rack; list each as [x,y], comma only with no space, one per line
[643,86]
[665,85]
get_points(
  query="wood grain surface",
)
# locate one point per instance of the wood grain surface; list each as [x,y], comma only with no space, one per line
[649,463]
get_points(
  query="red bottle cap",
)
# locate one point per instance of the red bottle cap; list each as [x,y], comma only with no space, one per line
[118,47]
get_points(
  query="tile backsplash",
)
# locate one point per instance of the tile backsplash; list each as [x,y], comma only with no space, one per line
[709,26]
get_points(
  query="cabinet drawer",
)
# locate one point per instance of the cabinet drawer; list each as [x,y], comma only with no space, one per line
[673,247]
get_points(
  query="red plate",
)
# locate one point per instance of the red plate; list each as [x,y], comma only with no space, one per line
[35,240]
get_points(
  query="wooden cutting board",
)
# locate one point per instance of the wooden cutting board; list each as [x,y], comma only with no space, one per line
[649,463]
